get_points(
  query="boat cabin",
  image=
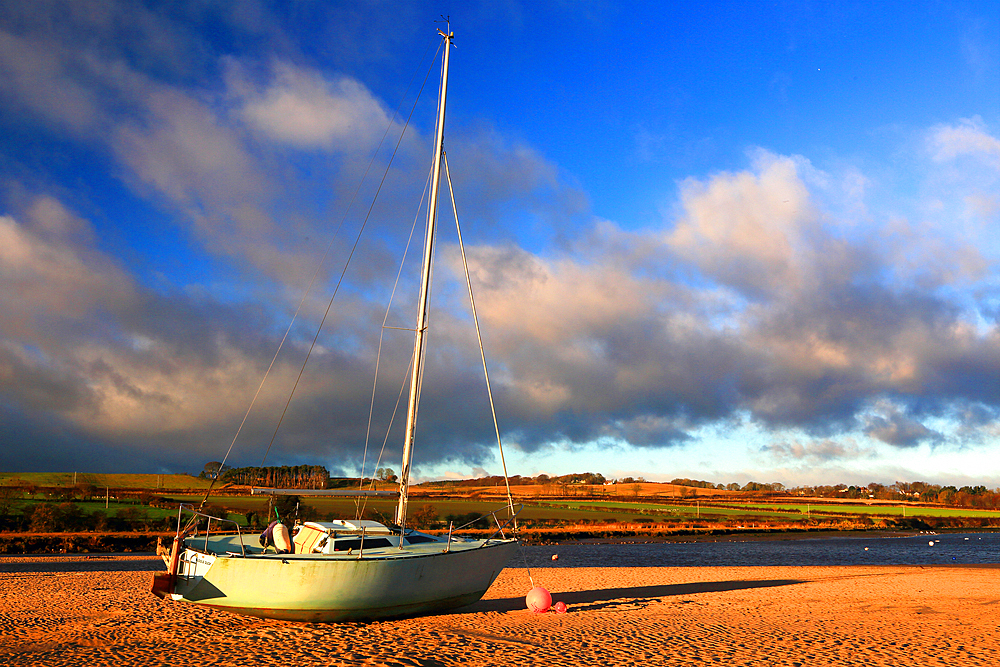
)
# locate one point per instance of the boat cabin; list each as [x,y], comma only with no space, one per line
[327,537]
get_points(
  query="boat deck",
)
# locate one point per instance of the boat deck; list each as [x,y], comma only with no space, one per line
[227,545]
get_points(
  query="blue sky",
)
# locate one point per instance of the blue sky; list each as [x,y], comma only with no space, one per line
[724,241]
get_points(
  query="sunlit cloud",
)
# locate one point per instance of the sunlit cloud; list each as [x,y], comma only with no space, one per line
[303,109]
[750,229]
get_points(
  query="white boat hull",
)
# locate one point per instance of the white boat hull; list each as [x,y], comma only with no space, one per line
[342,587]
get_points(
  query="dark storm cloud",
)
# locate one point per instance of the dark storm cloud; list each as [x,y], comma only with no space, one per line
[900,431]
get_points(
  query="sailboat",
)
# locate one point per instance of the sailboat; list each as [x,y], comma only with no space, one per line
[348,569]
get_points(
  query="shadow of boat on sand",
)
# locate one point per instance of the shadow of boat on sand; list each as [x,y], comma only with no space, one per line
[630,596]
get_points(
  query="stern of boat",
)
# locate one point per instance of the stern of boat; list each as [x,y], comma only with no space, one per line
[187,564]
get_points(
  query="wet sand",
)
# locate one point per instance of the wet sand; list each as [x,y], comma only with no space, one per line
[98,612]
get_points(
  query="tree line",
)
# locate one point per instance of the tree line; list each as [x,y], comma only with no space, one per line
[286,477]
[965,496]
[518,480]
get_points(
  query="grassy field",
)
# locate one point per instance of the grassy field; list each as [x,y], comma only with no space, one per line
[584,505]
[91,507]
[874,510]
[567,513]
[345,507]
[589,491]
[667,510]
[615,510]
[776,511]
[105,480]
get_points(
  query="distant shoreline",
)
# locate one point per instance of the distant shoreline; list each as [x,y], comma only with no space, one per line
[14,544]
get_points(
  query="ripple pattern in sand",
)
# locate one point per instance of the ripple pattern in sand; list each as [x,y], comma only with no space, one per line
[793,616]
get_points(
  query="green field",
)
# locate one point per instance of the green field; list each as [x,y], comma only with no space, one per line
[345,507]
[91,507]
[667,510]
[782,511]
[826,509]
[565,512]
[105,480]
[189,489]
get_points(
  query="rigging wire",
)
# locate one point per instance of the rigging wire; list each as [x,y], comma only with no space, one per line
[362,503]
[482,352]
[347,263]
[319,267]
[359,506]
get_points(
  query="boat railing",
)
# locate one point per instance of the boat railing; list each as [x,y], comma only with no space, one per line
[500,527]
[192,524]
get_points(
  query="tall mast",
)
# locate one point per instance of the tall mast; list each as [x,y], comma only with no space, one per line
[425,284]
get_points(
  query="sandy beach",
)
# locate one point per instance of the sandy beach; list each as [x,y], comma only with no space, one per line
[97,611]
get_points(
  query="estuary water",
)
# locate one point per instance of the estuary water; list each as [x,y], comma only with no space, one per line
[922,549]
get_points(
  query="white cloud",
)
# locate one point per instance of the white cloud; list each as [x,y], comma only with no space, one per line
[962,189]
[188,155]
[302,108]
[749,229]
[968,138]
